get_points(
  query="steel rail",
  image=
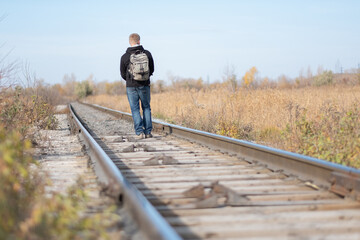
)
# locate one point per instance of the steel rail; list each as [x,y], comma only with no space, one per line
[340,179]
[153,224]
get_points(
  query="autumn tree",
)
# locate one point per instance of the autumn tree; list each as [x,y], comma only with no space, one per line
[250,76]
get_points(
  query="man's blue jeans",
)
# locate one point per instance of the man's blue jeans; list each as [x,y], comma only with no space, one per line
[134,94]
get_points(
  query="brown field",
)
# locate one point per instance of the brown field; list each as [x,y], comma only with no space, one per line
[292,119]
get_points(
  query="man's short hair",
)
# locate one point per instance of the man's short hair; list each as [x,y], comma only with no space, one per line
[134,38]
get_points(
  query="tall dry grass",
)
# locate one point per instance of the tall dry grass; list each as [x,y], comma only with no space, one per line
[267,116]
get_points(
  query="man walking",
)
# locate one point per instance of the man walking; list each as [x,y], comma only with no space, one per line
[136,67]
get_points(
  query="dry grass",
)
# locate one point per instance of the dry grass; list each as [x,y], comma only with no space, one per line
[261,109]
[260,115]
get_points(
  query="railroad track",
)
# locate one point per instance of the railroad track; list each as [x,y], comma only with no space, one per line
[188,184]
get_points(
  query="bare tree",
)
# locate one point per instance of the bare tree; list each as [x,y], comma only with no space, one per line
[7,71]
[28,79]
[7,68]
[69,83]
[229,77]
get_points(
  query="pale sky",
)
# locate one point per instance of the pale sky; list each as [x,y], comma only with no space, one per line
[186,38]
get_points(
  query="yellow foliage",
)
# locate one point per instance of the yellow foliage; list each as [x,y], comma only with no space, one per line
[249,76]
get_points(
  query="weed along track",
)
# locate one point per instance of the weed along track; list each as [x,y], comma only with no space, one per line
[187,184]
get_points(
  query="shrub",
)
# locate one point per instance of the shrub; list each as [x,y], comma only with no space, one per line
[20,111]
[27,214]
[269,134]
[234,129]
[63,217]
[19,184]
[334,137]
[83,89]
[325,78]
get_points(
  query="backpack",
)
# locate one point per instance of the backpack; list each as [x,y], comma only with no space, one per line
[139,66]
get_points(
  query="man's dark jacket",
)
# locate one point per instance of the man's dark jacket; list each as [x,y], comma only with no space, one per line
[124,63]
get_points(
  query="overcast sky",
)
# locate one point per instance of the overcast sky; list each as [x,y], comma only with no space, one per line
[187,38]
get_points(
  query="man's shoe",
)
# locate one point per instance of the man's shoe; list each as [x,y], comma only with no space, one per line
[140,136]
[148,135]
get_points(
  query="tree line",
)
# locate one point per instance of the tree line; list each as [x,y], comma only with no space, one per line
[250,80]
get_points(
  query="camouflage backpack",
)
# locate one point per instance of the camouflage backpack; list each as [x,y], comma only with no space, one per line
[139,66]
